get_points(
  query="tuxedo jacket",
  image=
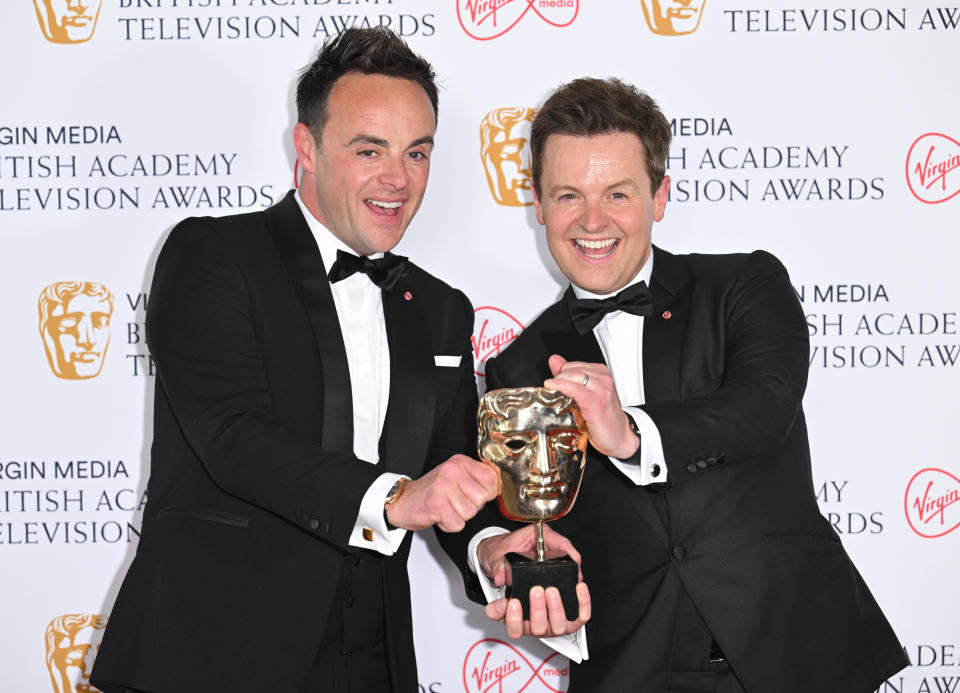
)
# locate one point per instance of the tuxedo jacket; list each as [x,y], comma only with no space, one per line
[254,488]
[725,361]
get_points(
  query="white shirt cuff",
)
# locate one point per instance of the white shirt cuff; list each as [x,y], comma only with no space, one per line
[370,530]
[652,468]
[573,646]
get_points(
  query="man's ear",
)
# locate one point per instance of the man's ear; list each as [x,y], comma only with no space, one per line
[306,147]
[536,205]
[660,199]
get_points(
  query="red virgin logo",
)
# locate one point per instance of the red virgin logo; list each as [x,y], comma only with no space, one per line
[493,329]
[931,502]
[488,19]
[932,168]
[494,666]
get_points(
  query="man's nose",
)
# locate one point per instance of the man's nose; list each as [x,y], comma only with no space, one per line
[594,219]
[394,172]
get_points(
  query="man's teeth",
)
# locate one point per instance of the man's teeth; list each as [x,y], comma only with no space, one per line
[596,244]
[385,205]
[606,246]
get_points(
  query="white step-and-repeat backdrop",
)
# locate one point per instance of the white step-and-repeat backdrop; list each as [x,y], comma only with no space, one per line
[827,135]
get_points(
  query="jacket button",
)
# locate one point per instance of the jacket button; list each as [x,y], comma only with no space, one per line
[326,528]
[679,552]
[701,464]
[711,461]
[691,467]
[314,523]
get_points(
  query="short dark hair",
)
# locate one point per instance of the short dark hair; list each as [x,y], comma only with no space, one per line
[590,106]
[374,51]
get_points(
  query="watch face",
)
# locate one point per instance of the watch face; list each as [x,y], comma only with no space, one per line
[394,491]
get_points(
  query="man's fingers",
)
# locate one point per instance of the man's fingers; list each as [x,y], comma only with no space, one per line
[556,363]
[496,610]
[583,596]
[538,611]
[555,612]
[514,619]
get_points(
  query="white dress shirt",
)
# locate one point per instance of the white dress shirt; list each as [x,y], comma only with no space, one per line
[359,305]
[621,340]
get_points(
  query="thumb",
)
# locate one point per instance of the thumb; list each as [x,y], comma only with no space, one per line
[556,363]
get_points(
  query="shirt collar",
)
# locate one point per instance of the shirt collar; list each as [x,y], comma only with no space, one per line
[326,241]
[642,276]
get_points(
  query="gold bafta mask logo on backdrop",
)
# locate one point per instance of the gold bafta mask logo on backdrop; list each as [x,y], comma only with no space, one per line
[72,644]
[505,152]
[75,327]
[68,21]
[673,17]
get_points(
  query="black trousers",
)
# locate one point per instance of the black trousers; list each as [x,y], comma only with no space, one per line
[698,665]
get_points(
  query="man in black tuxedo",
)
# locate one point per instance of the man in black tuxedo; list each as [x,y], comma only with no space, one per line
[709,564]
[311,406]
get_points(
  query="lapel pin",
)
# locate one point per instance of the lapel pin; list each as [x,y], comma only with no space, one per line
[407,296]
[667,315]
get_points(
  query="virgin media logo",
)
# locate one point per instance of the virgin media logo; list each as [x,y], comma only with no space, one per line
[488,19]
[493,329]
[494,666]
[931,502]
[932,164]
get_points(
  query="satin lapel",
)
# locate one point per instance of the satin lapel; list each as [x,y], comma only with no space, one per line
[410,411]
[570,344]
[663,332]
[300,255]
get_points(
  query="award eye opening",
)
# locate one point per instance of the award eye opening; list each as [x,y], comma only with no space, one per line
[566,442]
[515,444]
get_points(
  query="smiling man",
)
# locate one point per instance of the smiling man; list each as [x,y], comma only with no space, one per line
[314,394]
[710,567]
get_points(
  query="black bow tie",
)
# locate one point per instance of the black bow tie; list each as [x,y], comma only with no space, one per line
[587,313]
[384,272]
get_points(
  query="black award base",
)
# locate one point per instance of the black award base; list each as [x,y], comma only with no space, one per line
[561,573]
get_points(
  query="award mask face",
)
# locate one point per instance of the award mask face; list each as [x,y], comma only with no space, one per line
[536,439]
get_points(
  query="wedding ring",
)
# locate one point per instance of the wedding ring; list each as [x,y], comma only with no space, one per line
[586,379]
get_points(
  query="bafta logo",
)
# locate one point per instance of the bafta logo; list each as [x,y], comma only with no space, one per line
[505,151]
[67,21]
[72,644]
[673,17]
[75,327]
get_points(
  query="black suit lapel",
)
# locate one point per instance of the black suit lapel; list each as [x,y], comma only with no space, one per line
[300,255]
[569,343]
[663,331]
[410,412]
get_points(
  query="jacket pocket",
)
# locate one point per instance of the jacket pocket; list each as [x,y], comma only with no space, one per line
[206,514]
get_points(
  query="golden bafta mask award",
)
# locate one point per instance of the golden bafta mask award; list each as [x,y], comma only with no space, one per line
[536,441]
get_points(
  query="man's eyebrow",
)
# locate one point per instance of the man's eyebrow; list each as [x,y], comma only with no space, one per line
[368,139]
[380,142]
[557,188]
[426,139]
[625,183]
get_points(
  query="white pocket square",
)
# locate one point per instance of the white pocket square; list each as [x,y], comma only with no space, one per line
[450,361]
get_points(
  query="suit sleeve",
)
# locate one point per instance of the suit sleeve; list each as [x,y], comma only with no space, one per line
[203,336]
[751,407]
